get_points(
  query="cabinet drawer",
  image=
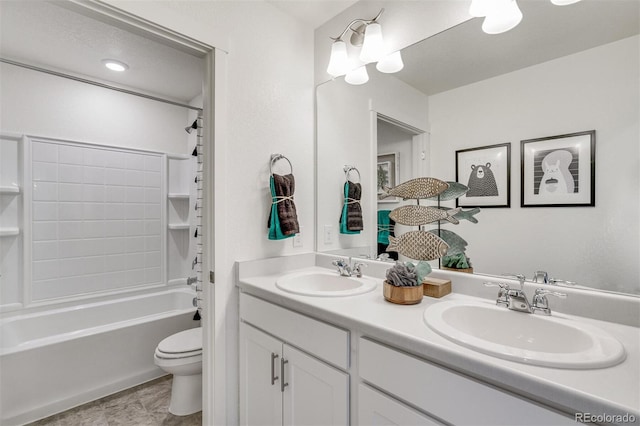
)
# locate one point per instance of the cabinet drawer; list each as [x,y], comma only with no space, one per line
[447,395]
[321,339]
[376,408]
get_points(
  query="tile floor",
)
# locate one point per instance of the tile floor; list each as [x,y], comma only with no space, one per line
[143,405]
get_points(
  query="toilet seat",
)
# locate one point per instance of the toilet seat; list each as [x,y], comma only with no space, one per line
[181,355]
[185,344]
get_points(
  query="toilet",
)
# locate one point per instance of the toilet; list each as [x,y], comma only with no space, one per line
[181,355]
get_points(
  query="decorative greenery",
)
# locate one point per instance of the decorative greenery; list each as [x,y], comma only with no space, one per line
[457,261]
[403,275]
[422,270]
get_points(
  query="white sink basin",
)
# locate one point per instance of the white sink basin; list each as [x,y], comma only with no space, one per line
[324,284]
[527,338]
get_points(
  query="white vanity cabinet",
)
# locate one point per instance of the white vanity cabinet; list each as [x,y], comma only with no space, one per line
[280,383]
[444,394]
[376,408]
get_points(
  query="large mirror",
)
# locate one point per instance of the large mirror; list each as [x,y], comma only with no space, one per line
[562,70]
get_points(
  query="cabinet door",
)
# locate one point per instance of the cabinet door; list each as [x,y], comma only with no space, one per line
[377,409]
[260,395]
[316,394]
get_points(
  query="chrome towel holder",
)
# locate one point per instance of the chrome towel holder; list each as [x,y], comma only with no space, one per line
[348,169]
[275,158]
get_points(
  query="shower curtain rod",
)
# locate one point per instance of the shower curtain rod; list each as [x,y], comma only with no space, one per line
[95,83]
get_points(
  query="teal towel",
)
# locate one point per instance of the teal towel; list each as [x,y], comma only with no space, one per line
[384,226]
[344,216]
[275,230]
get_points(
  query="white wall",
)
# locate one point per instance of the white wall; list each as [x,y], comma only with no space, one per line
[45,105]
[268,82]
[346,134]
[595,89]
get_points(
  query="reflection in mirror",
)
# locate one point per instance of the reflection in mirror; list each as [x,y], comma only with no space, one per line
[552,75]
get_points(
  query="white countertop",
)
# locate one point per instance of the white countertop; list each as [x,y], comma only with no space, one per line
[611,391]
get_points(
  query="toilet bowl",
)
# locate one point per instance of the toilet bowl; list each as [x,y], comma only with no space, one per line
[181,355]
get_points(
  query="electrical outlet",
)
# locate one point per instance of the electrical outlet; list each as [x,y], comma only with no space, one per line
[297,239]
[328,234]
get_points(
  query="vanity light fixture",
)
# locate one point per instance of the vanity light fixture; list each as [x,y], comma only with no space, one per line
[366,34]
[390,63]
[357,76]
[114,65]
[502,15]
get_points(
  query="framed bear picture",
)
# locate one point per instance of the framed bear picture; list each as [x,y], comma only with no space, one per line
[486,171]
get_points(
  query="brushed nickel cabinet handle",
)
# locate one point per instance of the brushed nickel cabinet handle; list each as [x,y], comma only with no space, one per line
[283,384]
[274,356]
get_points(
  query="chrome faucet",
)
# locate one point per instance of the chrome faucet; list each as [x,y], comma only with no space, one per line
[516,299]
[540,277]
[345,269]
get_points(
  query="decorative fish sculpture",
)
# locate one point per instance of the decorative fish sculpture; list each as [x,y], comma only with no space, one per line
[418,245]
[455,190]
[469,215]
[418,188]
[421,215]
[454,241]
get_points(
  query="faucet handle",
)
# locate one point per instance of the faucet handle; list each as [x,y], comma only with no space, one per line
[340,263]
[544,292]
[503,293]
[357,268]
[520,277]
[540,302]
[557,281]
[501,285]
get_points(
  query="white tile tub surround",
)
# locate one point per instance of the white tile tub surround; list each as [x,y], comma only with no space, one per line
[96,219]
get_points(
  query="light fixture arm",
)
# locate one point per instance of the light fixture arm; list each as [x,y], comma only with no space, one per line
[364,22]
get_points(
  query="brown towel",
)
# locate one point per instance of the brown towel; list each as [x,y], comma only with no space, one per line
[285,187]
[354,209]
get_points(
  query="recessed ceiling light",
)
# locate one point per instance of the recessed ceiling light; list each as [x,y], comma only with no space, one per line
[114,65]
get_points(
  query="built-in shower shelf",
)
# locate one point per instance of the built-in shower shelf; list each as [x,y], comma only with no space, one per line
[179,226]
[12,189]
[178,281]
[178,196]
[9,232]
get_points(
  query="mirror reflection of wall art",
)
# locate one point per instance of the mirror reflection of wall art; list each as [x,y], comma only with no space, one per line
[486,171]
[559,171]
[387,174]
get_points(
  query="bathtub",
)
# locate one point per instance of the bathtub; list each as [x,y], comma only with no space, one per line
[57,359]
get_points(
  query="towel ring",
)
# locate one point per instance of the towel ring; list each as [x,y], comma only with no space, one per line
[348,169]
[275,158]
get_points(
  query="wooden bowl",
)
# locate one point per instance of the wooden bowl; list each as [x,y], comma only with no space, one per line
[402,295]
[467,270]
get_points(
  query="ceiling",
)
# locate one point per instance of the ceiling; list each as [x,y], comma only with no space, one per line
[465,54]
[312,12]
[47,35]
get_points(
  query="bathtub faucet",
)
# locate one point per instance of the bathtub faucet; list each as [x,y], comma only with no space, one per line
[191,280]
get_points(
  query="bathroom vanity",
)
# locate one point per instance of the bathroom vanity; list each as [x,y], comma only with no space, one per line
[360,360]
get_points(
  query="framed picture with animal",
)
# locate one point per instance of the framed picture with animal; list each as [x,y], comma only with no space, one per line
[559,171]
[486,170]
